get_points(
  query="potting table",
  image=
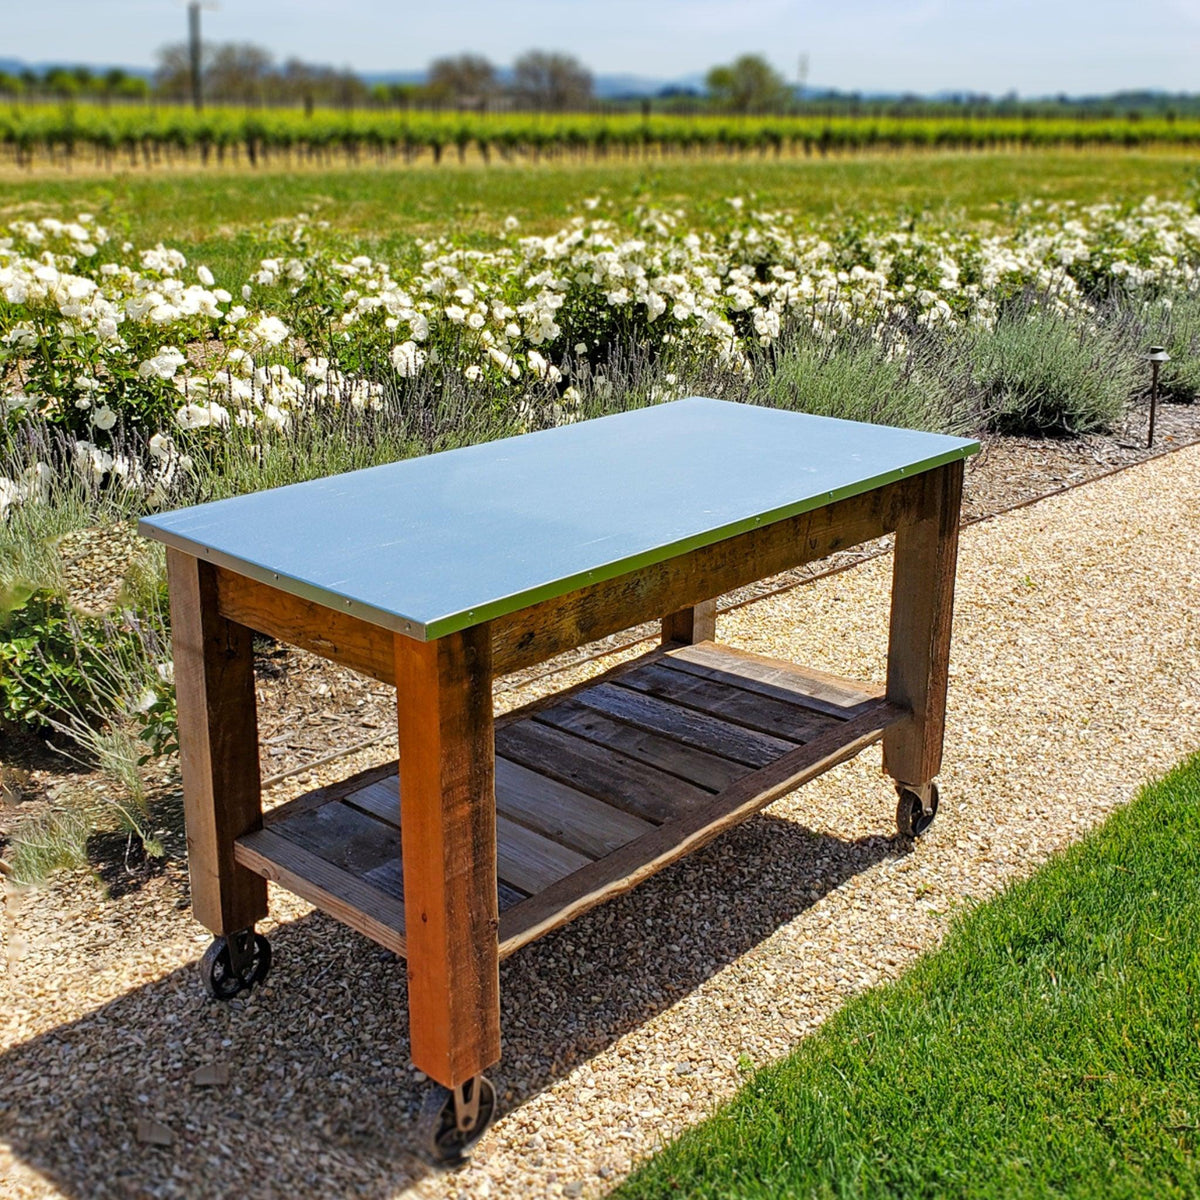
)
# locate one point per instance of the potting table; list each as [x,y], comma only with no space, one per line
[439,573]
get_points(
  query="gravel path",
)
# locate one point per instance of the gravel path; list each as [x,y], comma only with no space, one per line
[1076,676]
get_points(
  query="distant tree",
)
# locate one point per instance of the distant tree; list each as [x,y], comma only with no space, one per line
[242,73]
[312,84]
[748,85]
[10,85]
[237,72]
[173,78]
[547,80]
[61,82]
[467,80]
[396,94]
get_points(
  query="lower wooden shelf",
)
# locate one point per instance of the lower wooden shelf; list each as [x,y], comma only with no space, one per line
[597,788]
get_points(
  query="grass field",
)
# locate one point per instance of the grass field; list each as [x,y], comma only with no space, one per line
[216,216]
[1050,1048]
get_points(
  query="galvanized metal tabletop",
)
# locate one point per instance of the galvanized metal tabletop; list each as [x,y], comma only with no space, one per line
[435,544]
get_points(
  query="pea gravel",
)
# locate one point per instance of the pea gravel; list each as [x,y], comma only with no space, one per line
[1075,677]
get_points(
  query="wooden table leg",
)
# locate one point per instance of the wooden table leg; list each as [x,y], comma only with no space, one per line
[218,747]
[448,845]
[691,625]
[919,645]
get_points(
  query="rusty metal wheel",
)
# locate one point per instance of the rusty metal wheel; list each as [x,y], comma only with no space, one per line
[912,817]
[453,1120]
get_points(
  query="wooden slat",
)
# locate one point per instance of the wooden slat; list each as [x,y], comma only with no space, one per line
[327,632]
[343,836]
[697,766]
[919,641]
[380,798]
[686,725]
[448,821]
[338,790]
[563,813]
[652,795]
[352,901]
[782,719]
[390,878]
[626,868]
[218,746]
[529,861]
[536,633]
[773,677]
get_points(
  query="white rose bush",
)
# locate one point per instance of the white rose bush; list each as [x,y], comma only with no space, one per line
[111,344]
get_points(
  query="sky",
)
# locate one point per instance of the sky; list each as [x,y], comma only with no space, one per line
[1036,47]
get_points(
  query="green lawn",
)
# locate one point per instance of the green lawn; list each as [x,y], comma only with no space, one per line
[1051,1047]
[217,214]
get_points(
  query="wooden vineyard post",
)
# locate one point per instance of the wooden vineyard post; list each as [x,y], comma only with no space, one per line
[218,747]
[691,625]
[919,644]
[448,847]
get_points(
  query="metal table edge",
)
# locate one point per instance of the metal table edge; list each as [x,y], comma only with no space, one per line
[426,631]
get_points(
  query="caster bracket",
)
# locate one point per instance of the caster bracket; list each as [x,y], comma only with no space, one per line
[918,805]
[453,1119]
[924,792]
[466,1105]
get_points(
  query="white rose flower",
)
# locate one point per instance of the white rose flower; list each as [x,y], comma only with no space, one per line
[104,418]
[201,416]
[270,330]
[408,359]
[205,276]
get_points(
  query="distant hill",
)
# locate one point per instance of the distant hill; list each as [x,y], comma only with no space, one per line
[14,66]
[628,86]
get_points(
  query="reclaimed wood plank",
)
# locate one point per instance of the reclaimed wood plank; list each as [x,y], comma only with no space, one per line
[367,909]
[629,866]
[390,878]
[448,825]
[565,814]
[632,786]
[697,766]
[773,677]
[533,634]
[218,746]
[527,860]
[327,632]
[922,615]
[343,836]
[381,798]
[778,718]
[686,725]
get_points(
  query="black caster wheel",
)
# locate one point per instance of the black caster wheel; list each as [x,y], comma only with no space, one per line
[452,1120]
[911,818]
[235,964]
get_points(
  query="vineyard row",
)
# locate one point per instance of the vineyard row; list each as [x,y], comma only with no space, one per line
[150,137]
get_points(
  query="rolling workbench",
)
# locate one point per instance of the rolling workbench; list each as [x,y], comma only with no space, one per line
[439,573]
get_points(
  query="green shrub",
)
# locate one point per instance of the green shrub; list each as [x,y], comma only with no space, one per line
[44,652]
[1040,373]
[1176,326]
[859,377]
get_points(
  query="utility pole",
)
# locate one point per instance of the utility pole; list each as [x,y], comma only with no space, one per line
[194,54]
[801,76]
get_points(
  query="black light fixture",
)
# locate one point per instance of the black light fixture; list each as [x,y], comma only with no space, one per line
[1157,356]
